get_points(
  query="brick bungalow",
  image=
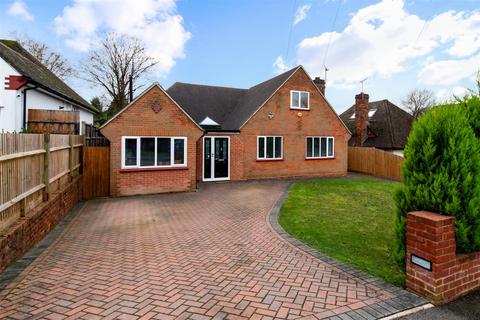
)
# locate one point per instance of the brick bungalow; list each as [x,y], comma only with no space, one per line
[167,141]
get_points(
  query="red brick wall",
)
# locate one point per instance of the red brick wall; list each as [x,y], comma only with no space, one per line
[432,236]
[29,230]
[140,120]
[320,120]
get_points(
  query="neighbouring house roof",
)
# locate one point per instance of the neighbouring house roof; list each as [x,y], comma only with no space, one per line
[28,66]
[231,108]
[388,125]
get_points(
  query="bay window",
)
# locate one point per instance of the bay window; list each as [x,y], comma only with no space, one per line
[153,152]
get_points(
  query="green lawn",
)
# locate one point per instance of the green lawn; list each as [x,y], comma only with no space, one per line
[351,220]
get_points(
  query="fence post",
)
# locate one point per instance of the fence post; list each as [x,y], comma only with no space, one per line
[70,156]
[23,207]
[82,154]
[46,158]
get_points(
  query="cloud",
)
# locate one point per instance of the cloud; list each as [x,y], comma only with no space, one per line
[301,13]
[155,22]
[19,9]
[447,72]
[381,40]
[280,66]
[447,94]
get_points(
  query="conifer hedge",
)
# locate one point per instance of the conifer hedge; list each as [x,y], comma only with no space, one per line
[441,172]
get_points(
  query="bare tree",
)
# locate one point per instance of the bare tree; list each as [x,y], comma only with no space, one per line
[117,58]
[418,101]
[55,62]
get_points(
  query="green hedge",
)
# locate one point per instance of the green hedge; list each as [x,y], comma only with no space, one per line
[441,172]
[472,104]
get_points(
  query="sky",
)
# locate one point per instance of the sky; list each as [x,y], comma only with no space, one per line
[395,45]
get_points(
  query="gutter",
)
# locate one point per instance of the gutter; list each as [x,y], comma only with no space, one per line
[58,94]
[218,130]
[25,105]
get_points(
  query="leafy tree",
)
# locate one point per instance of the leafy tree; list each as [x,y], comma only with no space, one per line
[418,101]
[110,66]
[441,174]
[98,103]
[102,116]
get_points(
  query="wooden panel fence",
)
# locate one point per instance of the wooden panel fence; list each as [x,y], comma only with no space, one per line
[31,167]
[375,162]
[53,121]
[93,136]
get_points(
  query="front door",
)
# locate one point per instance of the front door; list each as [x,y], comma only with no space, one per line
[216,158]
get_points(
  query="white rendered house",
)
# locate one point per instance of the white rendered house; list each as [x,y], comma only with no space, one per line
[30,85]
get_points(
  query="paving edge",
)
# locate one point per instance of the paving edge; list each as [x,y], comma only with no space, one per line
[13,273]
[409,312]
[402,302]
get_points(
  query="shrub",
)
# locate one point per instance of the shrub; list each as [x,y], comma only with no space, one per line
[473,113]
[441,174]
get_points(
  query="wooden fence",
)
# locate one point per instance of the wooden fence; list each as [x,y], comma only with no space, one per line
[374,162]
[32,166]
[93,136]
[53,121]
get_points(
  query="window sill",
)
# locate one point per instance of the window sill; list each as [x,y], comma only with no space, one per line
[330,158]
[267,160]
[299,109]
[153,169]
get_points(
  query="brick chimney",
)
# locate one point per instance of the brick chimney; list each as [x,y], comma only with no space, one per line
[320,83]
[361,118]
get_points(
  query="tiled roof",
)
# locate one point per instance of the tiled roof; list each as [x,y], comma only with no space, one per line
[230,107]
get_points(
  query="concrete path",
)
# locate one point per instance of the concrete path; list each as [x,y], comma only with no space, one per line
[208,254]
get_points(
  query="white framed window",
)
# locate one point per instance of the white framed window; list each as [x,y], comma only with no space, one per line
[269,147]
[154,152]
[320,147]
[299,100]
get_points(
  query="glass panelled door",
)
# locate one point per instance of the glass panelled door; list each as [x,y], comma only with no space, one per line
[221,158]
[216,158]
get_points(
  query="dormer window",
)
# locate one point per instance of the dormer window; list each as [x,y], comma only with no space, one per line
[371,112]
[208,122]
[299,100]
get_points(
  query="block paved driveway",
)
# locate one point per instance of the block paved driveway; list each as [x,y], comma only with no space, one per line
[201,255]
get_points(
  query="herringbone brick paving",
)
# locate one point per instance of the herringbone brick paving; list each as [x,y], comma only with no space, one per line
[209,254]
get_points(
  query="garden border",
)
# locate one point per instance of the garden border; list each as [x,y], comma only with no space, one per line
[403,300]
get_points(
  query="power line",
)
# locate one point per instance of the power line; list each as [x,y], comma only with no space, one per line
[425,25]
[291,28]
[331,32]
